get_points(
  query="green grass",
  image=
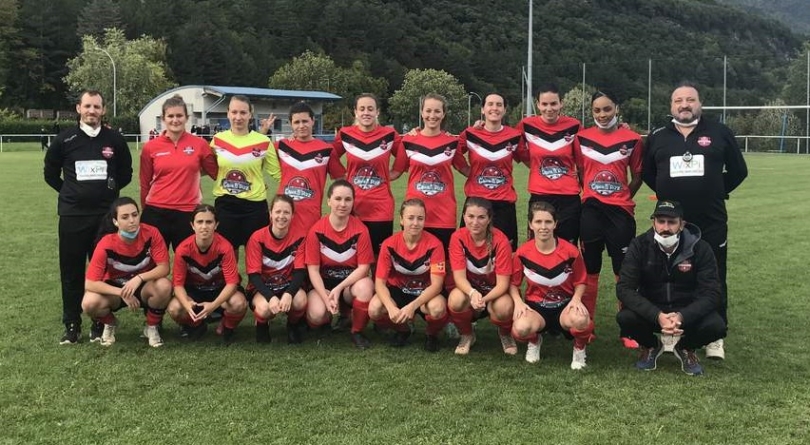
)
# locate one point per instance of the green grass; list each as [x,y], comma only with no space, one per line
[326,392]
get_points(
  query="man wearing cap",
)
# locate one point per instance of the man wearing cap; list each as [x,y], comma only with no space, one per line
[697,161]
[669,284]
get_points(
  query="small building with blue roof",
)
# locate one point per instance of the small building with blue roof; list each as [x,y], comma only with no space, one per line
[208,105]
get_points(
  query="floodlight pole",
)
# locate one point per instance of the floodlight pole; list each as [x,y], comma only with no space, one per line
[469,105]
[529,61]
[115,111]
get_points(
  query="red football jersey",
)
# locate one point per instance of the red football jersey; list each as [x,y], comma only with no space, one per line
[368,160]
[410,269]
[212,269]
[549,147]
[482,263]
[303,175]
[603,159]
[115,260]
[550,278]
[170,172]
[275,259]
[338,253]
[491,155]
[430,161]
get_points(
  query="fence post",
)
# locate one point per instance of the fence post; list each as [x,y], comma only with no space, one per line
[746,144]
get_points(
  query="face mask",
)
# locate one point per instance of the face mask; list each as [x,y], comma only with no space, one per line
[609,125]
[129,235]
[685,124]
[90,131]
[667,242]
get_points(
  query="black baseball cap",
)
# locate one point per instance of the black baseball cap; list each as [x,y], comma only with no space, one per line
[669,208]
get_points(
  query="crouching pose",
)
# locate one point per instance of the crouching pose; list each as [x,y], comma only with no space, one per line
[338,259]
[205,278]
[555,278]
[276,269]
[128,269]
[481,260]
[409,279]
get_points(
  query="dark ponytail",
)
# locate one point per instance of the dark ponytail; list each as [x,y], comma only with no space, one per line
[107,227]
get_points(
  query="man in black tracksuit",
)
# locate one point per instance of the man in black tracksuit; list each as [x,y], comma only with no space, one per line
[697,162]
[669,284]
[87,165]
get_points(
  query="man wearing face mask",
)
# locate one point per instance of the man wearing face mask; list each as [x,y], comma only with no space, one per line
[697,161]
[669,284]
[87,165]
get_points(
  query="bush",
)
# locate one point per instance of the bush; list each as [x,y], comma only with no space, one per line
[10,125]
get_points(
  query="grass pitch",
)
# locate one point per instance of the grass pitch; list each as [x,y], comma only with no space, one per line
[325,391]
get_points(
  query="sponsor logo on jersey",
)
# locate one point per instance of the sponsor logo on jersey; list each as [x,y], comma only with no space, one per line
[491,178]
[414,287]
[553,169]
[555,298]
[605,183]
[107,152]
[235,182]
[366,178]
[298,189]
[704,141]
[277,282]
[430,184]
[188,150]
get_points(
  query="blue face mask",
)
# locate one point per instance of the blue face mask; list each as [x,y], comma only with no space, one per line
[129,235]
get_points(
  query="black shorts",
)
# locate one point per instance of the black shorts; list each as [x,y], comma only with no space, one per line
[504,218]
[401,299]
[173,225]
[379,231]
[569,209]
[239,218]
[604,225]
[443,235]
[551,317]
[203,295]
[119,283]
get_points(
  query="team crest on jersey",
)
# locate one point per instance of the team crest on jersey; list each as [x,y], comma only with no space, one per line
[257,152]
[685,266]
[624,150]
[188,150]
[431,184]
[605,183]
[414,287]
[366,178]
[448,151]
[510,147]
[568,137]
[299,189]
[704,141]
[553,169]
[319,158]
[235,182]
[107,152]
[491,178]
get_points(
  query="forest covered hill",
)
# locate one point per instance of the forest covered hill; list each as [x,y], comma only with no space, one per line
[481,42]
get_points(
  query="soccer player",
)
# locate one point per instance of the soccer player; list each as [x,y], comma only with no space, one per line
[429,158]
[669,284]
[369,147]
[697,162]
[205,278]
[243,156]
[409,279]
[88,165]
[304,162]
[338,258]
[170,174]
[555,283]
[128,269]
[276,270]
[481,261]
[492,148]
[549,154]
[604,154]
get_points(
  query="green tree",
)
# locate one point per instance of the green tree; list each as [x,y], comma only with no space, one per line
[405,105]
[8,16]
[573,103]
[318,72]
[140,68]
[97,16]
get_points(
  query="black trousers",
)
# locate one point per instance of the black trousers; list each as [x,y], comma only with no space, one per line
[77,236]
[695,335]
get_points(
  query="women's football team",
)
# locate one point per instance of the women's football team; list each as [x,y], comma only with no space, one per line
[350,263]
